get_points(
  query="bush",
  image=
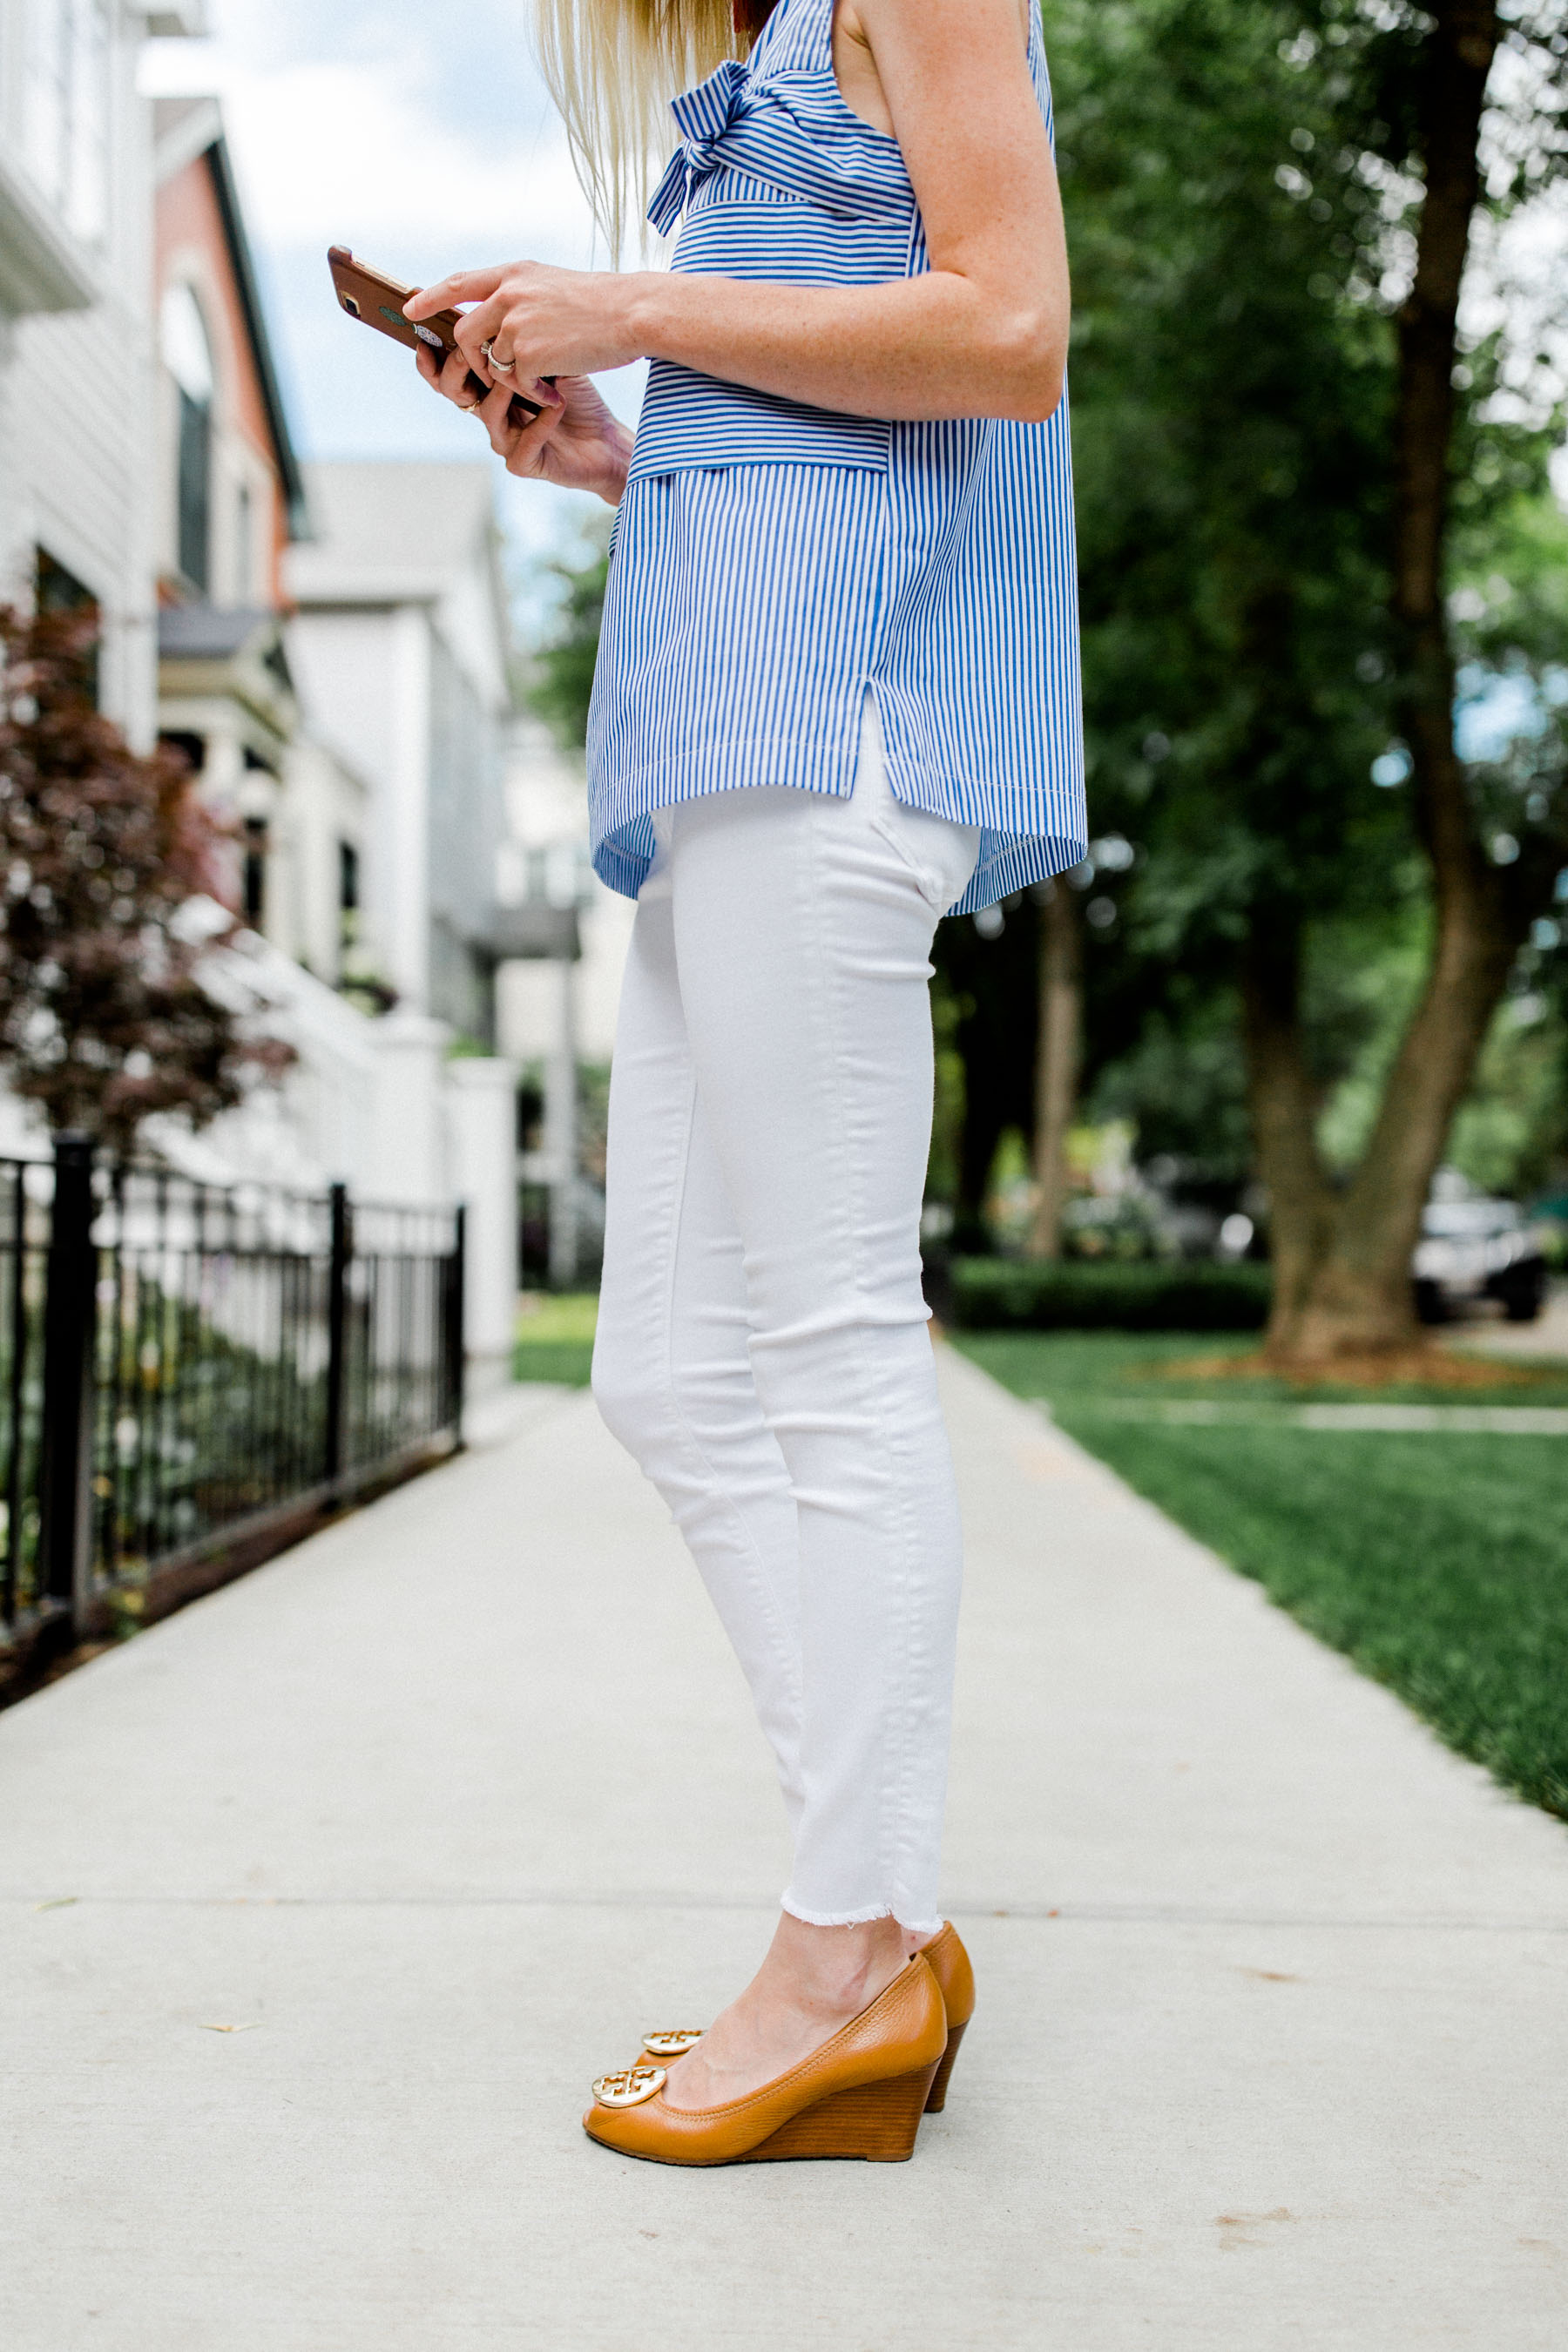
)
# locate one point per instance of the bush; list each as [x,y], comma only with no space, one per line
[104,1018]
[995,1294]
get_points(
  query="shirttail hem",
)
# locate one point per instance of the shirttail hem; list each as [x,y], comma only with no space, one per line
[1007,861]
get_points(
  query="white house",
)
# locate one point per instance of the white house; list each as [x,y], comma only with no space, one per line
[399,644]
[557,1010]
[368,807]
[545,861]
[77,488]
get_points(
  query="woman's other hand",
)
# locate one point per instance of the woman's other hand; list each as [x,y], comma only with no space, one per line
[575,440]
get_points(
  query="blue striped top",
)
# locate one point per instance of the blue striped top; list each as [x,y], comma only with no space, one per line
[771,561]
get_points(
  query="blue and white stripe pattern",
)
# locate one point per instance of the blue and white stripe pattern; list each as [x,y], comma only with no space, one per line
[771,561]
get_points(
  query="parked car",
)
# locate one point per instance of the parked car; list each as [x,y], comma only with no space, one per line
[1476,1249]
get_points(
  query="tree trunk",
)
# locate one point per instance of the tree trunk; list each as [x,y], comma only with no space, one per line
[1284,1107]
[1059,1057]
[1363,1297]
[1359,1296]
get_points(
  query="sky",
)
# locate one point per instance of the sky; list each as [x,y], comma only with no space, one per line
[424,139]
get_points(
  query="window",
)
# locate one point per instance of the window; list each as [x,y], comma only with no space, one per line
[192,748]
[65,111]
[253,889]
[56,590]
[187,355]
[348,896]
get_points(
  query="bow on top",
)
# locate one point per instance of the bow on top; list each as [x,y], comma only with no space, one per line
[704,114]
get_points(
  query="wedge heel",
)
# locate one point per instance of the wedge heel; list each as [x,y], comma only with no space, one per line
[876,2122]
[949,1964]
[936,2098]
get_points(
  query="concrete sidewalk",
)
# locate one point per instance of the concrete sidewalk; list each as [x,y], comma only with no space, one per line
[437,1813]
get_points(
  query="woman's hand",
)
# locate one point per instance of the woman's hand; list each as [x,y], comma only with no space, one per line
[575,440]
[544,321]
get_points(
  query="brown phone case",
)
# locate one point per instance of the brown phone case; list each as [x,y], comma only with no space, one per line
[376,300]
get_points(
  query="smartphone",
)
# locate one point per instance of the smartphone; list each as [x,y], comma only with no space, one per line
[377,300]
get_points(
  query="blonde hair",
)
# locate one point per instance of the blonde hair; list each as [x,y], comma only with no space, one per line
[612,67]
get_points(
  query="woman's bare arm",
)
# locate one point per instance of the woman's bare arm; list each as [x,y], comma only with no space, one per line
[983,333]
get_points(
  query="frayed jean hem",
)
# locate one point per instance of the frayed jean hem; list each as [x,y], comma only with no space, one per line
[858,1918]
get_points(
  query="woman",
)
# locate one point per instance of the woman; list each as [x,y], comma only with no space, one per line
[836,697]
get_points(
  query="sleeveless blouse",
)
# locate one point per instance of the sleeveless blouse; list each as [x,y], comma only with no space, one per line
[772,562]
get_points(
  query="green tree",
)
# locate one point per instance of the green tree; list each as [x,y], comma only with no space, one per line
[563,666]
[1270,209]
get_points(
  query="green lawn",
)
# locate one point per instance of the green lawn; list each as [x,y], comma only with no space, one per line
[555,1337]
[1437,1562]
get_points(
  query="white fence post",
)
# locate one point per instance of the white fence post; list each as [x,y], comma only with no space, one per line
[408,1161]
[482,1116]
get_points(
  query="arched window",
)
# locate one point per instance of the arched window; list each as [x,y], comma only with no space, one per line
[187,355]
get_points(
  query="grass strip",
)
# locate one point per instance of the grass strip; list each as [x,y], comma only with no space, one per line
[1438,1563]
[555,1337]
[1070,1366]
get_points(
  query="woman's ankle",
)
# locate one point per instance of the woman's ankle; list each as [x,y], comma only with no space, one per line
[835,1967]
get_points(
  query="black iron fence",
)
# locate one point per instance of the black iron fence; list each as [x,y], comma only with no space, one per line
[192,1375]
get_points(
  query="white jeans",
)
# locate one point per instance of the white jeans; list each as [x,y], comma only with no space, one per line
[761,1348]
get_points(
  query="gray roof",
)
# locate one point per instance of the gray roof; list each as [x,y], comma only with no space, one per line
[202,632]
[392,532]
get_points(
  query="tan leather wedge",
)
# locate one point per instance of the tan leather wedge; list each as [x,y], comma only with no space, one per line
[949,1964]
[861,2094]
